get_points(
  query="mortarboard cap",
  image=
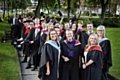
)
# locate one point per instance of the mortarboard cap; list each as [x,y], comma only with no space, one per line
[60,13]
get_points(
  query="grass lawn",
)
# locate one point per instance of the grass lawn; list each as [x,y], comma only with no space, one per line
[114,35]
[9,69]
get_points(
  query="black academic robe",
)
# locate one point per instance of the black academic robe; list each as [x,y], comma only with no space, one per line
[82,36]
[49,53]
[93,71]
[107,60]
[43,37]
[34,57]
[70,69]
[26,48]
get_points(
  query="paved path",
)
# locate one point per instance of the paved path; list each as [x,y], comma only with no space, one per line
[27,74]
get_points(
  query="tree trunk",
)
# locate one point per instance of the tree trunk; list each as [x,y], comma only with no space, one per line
[4,9]
[104,4]
[109,7]
[68,9]
[37,12]
[115,9]
[8,9]
[47,7]
[103,12]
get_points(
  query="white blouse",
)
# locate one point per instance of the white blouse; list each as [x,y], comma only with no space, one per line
[85,54]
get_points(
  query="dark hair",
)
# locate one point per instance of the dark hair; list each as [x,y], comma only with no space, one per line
[89,23]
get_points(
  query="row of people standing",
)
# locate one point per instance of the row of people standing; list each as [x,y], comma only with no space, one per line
[63,53]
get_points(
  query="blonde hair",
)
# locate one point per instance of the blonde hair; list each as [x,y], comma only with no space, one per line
[48,36]
[96,37]
[101,27]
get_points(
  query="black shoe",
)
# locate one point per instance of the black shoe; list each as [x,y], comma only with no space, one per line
[29,66]
[33,69]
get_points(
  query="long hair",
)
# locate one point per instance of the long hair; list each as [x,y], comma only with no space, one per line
[48,36]
[96,37]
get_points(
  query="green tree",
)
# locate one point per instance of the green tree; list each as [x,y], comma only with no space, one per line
[103,3]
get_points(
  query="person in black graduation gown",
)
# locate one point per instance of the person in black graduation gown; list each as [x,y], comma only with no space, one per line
[34,40]
[74,29]
[66,26]
[92,60]
[70,52]
[58,33]
[43,36]
[106,47]
[50,58]
[82,35]
[26,48]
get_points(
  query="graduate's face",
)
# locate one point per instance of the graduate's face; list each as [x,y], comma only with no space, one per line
[80,26]
[26,24]
[92,40]
[69,34]
[53,35]
[74,27]
[67,26]
[31,24]
[50,27]
[37,21]
[100,32]
[43,25]
[58,31]
[90,27]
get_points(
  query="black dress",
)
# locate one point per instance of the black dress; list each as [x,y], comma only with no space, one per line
[107,60]
[93,71]
[51,53]
[70,69]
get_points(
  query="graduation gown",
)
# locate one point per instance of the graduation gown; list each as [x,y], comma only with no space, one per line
[51,53]
[93,71]
[82,36]
[26,49]
[107,60]
[43,36]
[34,56]
[70,69]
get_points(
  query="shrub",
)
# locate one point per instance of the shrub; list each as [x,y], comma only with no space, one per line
[85,13]
[107,22]
[112,22]
[96,21]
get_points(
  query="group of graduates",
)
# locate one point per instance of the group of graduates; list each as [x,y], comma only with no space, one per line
[62,51]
